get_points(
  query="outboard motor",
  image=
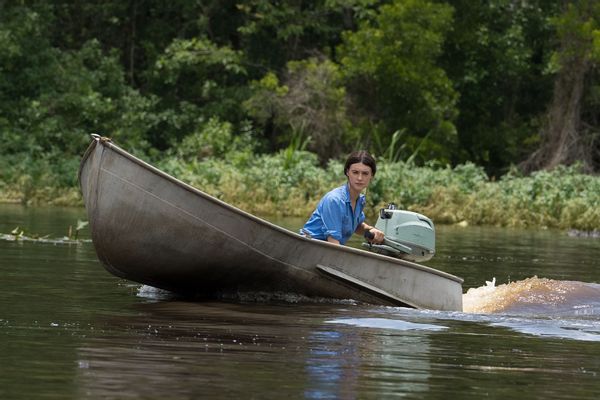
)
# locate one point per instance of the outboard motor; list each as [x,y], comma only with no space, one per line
[408,235]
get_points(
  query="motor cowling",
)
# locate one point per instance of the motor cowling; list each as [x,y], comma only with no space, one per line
[408,235]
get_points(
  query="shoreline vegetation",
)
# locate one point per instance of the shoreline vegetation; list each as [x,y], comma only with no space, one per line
[290,183]
[459,101]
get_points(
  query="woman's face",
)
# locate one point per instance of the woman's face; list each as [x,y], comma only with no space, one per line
[359,176]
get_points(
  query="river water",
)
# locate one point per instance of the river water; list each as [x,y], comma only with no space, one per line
[70,330]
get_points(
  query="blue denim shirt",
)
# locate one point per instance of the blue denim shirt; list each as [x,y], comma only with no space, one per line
[334,217]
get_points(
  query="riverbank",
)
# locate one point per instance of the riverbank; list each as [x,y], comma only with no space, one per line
[282,185]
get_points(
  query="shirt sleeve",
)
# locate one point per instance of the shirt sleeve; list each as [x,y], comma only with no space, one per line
[332,213]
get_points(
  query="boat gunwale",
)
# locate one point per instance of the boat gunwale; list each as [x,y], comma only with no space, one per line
[97,140]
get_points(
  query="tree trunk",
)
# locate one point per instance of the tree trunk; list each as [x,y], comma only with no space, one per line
[132,39]
[563,139]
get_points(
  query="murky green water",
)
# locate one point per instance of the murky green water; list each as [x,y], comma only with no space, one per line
[70,330]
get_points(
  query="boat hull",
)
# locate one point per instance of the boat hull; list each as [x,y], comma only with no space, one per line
[151,228]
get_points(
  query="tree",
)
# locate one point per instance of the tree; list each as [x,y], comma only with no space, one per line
[52,98]
[197,80]
[309,106]
[566,137]
[495,56]
[391,64]
[275,32]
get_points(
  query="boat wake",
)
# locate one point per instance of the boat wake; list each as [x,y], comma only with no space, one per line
[534,295]
[535,306]
[385,323]
[152,293]
[280,297]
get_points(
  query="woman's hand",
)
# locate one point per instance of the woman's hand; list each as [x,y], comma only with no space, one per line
[374,235]
[378,236]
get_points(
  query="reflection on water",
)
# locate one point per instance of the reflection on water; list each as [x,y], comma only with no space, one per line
[177,349]
[185,349]
[70,330]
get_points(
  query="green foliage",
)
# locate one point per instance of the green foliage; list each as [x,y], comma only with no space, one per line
[495,56]
[549,197]
[47,179]
[295,150]
[196,80]
[578,25]
[215,139]
[410,186]
[206,88]
[392,64]
[578,30]
[271,184]
[562,198]
[85,93]
[310,102]
[198,56]
[58,97]
[199,72]
[267,184]
[391,152]
[273,33]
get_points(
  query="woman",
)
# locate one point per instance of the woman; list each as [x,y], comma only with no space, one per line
[339,214]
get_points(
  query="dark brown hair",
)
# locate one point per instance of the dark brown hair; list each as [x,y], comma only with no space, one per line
[360,156]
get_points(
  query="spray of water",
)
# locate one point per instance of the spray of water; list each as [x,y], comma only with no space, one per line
[535,295]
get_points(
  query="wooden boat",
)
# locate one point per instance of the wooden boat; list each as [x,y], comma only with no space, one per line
[151,228]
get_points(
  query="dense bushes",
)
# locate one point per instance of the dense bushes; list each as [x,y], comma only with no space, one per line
[268,184]
[291,182]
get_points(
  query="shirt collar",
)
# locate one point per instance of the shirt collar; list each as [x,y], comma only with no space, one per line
[361,197]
